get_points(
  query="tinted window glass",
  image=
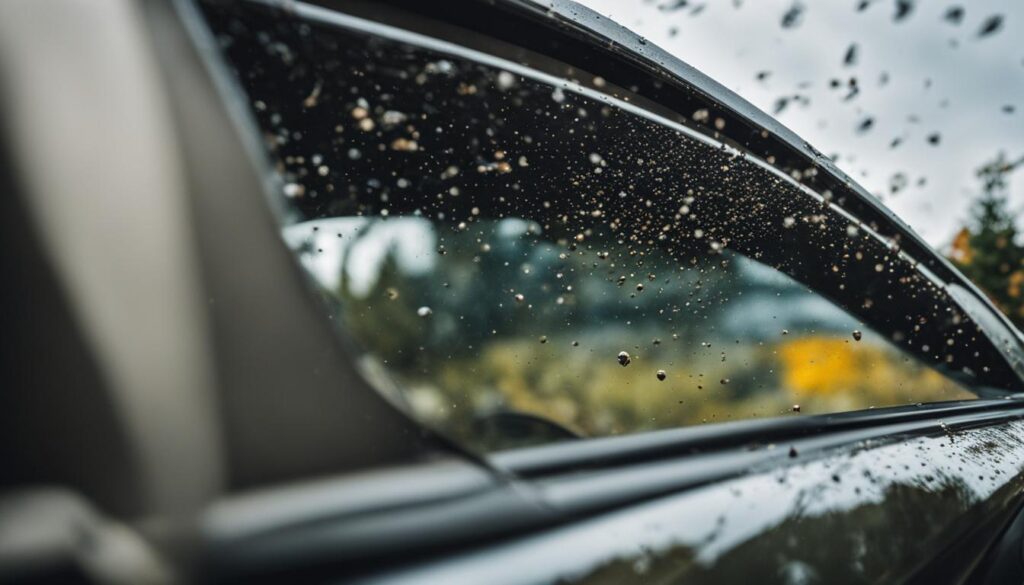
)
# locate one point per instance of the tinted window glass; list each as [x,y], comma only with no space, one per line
[518,259]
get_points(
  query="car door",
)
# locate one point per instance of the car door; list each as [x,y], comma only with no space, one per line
[479,207]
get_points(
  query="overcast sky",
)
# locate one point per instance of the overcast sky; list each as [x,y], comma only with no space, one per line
[922,74]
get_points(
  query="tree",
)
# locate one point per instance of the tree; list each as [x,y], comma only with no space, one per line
[988,250]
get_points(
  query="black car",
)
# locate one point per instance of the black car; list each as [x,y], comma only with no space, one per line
[465,292]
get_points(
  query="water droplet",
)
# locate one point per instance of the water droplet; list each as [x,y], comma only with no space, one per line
[292,190]
[506,80]
[392,293]
[519,297]
[796,408]
[857,334]
[623,358]
[424,311]
[661,375]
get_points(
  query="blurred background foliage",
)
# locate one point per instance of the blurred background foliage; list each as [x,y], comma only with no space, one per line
[735,339]
[988,250]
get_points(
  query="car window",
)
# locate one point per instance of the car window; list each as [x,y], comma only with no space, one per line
[518,258]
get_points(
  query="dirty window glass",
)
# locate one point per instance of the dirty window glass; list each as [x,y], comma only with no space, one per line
[519,260]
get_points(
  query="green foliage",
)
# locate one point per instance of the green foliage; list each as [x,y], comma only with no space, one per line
[988,251]
[386,318]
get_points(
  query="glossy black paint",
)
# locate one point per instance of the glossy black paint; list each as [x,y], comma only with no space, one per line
[917,483]
[877,511]
[1005,560]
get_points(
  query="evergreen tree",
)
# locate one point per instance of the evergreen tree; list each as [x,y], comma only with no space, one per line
[385,319]
[988,250]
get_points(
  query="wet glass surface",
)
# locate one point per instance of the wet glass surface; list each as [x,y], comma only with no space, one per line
[519,260]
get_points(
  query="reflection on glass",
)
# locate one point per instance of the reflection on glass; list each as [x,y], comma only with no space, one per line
[522,260]
[515,322]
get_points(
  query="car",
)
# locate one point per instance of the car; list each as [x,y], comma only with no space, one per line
[467,292]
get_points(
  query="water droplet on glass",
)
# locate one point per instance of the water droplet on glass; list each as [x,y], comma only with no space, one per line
[506,80]
[623,358]
[424,311]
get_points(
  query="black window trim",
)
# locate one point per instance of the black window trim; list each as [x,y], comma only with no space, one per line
[610,452]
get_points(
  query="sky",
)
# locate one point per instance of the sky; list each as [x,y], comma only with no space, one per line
[942,97]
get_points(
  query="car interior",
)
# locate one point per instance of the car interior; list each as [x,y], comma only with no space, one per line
[180,397]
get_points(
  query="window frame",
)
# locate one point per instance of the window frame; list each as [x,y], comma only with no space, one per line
[448,515]
[539,68]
